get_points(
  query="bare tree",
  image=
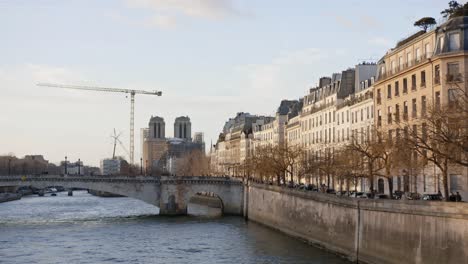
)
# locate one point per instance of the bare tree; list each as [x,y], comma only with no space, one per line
[277,161]
[370,152]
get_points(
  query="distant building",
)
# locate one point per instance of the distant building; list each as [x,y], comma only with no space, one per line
[114,167]
[72,168]
[183,128]
[161,154]
[235,144]
[199,138]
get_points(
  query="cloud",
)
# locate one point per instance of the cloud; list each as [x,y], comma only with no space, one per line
[209,9]
[166,14]
[381,41]
[343,21]
[287,71]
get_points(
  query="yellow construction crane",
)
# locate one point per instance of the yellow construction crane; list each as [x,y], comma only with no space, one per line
[113,90]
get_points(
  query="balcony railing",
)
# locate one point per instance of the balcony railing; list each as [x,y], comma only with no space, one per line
[437,80]
[385,75]
[453,78]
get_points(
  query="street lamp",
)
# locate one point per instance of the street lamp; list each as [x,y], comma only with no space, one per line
[141,166]
[9,166]
[79,163]
[65,165]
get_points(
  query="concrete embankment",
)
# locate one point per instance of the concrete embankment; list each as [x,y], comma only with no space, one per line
[7,197]
[367,231]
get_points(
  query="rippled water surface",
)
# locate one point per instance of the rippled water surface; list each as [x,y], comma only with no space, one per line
[88,229]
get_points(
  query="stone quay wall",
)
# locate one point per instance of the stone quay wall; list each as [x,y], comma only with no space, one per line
[367,231]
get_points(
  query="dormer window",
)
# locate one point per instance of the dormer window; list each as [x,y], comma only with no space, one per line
[440,44]
[454,42]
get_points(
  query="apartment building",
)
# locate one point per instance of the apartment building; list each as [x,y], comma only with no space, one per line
[423,70]
[338,109]
[235,144]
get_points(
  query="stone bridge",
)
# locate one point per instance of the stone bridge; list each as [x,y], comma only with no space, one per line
[170,194]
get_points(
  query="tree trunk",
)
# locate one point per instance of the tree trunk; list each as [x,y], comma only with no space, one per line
[371,178]
[445,180]
[390,186]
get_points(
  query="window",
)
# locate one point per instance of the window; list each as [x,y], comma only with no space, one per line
[414,110]
[413,82]
[400,63]
[405,85]
[440,44]
[424,131]
[397,113]
[423,79]
[389,91]
[454,42]
[342,117]
[453,72]
[393,67]
[437,74]
[352,118]
[409,59]
[418,54]
[379,118]
[437,100]
[372,111]
[379,97]
[389,115]
[423,105]
[397,88]
[427,50]
[362,114]
[367,112]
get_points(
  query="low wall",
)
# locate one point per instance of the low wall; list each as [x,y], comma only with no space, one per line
[370,231]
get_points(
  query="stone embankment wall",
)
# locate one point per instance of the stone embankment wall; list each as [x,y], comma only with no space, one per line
[370,231]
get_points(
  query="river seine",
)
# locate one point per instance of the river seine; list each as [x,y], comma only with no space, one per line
[89,229]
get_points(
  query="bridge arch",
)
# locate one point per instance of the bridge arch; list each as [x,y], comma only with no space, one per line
[146,190]
[170,193]
[229,192]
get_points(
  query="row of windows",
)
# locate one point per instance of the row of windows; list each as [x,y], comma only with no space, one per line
[331,135]
[395,115]
[453,75]
[363,113]
[454,44]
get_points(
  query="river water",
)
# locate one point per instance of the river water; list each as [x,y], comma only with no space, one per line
[89,229]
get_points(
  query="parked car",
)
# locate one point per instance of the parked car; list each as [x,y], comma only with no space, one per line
[412,196]
[432,197]
[397,195]
[382,196]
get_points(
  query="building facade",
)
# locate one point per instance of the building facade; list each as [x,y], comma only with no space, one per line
[421,72]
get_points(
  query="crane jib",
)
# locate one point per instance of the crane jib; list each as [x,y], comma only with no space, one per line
[114,90]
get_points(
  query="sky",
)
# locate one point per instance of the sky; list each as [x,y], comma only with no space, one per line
[210,58]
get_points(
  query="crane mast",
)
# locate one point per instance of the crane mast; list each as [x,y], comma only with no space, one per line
[132,93]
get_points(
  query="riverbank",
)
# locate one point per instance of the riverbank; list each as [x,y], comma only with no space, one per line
[7,197]
[367,231]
